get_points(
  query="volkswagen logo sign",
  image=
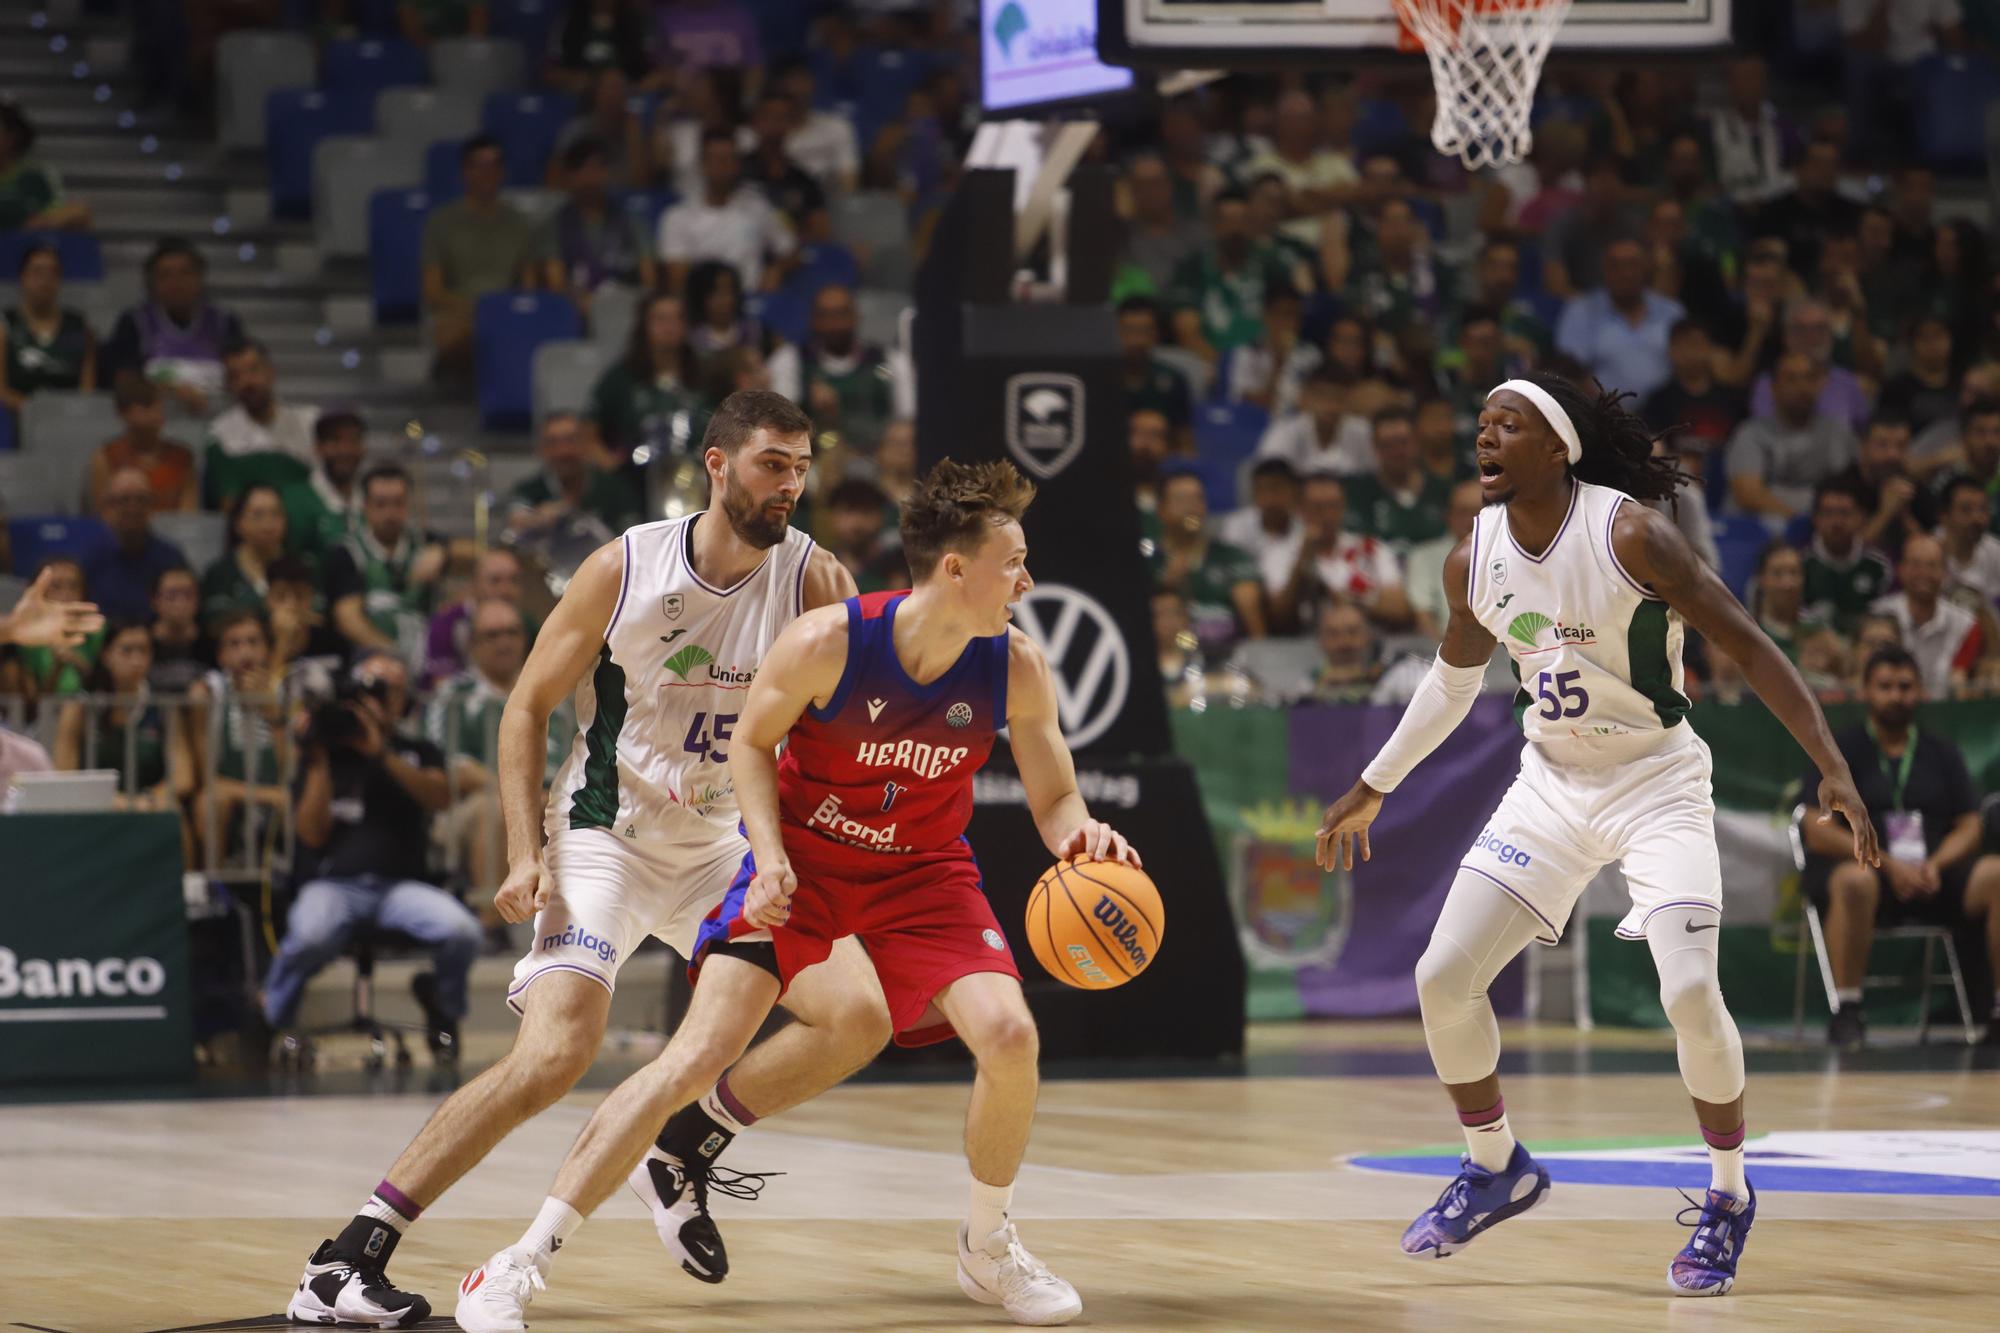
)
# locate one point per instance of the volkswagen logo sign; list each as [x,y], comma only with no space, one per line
[1088,660]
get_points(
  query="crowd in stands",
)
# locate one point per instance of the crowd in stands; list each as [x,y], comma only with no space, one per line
[1311,306]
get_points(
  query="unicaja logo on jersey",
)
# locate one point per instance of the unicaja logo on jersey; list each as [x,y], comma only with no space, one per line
[1538,631]
[695,665]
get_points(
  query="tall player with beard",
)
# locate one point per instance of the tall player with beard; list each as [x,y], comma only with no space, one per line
[888,704]
[658,635]
[1588,591]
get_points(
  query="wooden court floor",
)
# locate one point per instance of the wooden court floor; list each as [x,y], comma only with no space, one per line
[1232,1203]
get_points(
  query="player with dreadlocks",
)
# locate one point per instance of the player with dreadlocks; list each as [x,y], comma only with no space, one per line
[1588,591]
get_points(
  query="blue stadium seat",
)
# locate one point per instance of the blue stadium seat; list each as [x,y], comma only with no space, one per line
[1952,95]
[510,326]
[441,178]
[782,25]
[1739,537]
[10,433]
[38,537]
[527,126]
[372,64]
[1228,433]
[82,257]
[888,77]
[1218,482]
[644,207]
[787,312]
[1379,126]
[296,120]
[527,21]
[396,253]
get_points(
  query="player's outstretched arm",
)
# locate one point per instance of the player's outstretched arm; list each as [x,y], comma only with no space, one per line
[1440,703]
[803,667]
[1048,773]
[1653,551]
[37,621]
[563,651]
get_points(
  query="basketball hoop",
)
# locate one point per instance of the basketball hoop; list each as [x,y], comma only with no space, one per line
[1486,57]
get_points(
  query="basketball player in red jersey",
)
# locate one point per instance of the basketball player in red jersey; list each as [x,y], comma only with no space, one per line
[890,702]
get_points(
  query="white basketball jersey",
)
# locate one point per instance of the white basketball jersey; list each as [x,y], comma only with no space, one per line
[1597,655]
[655,716]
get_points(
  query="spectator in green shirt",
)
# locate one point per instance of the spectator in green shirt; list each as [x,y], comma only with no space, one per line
[1496,284]
[1151,383]
[652,395]
[31,194]
[1842,576]
[1217,294]
[1400,503]
[1777,598]
[48,346]
[474,245]
[569,489]
[1224,595]
[856,519]
[324,510]
[240,579]
[846,384]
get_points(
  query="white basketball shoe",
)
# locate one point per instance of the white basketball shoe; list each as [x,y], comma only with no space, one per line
[494,1297]
[1000,1271]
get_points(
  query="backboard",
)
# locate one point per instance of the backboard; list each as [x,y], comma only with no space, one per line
[1225,34]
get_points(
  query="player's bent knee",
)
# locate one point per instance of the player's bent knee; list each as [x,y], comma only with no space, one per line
[1694,1007]
[1006,1038]
[1444,980]
[1857,885]
[862,1029]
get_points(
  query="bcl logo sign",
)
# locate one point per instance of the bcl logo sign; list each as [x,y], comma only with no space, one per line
[1088,660]
[1044,421]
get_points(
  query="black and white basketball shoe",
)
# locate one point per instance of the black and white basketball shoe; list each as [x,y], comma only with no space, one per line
[336,1290]
[677,1195]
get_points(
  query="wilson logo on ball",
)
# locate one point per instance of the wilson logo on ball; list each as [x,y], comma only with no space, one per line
[1125,932]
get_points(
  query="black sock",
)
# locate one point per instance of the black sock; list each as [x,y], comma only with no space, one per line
[367,1240]
[692,1135]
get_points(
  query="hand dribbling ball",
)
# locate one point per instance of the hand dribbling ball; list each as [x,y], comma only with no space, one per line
[1095,924]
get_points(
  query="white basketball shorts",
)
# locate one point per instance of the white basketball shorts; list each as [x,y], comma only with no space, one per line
[1560,823]
[612,892]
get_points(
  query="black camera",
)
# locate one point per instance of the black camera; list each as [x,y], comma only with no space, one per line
[334,724]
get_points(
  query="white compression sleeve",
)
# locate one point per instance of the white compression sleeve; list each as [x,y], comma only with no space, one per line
[1441,702]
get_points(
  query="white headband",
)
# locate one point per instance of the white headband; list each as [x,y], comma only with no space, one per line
[1552,412]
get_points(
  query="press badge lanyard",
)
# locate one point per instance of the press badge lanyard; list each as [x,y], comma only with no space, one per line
[1901,778]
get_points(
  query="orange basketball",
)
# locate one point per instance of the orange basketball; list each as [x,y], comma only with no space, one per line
[1095,924]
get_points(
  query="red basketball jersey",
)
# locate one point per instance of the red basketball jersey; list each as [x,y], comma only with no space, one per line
[887,765]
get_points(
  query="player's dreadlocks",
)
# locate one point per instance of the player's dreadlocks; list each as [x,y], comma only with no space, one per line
[1617,446]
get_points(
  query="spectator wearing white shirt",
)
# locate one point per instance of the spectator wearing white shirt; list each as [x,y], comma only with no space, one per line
[1971,553]
[1260,372]
[1323,436]
[1340,566]
[1943,636]
[1269,528]
[822,142]
[1423,577]
[727,221]
[1317,179]
[260,438]
[1749,137]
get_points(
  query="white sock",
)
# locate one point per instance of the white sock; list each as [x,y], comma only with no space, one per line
[1489,1140]
[1848,995]
[381,1210]
[552,1226]
[1725,1171]
[987,1212]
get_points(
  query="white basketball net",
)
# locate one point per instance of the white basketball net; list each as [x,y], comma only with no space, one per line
[1486,56]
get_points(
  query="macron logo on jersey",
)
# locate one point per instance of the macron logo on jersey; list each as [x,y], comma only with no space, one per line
[929,762]
[875,707]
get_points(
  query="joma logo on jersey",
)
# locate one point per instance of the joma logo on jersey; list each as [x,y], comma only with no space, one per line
[926,761]
[695,665]
[1538,631]
[1124,931]
[828,817]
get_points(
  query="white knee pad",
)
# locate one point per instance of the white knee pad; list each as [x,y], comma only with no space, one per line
[1710,1050]
[1478,933]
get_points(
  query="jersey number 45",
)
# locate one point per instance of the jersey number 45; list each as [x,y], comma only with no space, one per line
[707,735]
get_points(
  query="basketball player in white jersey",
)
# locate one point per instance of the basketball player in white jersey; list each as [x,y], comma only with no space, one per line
[659,635]
[1588,591]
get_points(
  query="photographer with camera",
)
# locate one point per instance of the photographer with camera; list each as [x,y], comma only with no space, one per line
[365,799]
